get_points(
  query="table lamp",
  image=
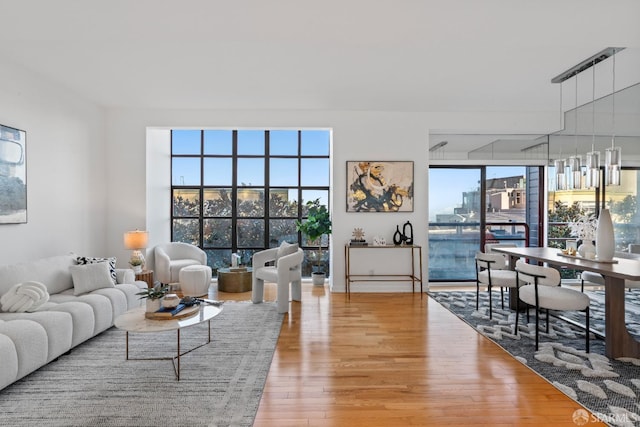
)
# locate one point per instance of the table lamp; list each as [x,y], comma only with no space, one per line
[136,240]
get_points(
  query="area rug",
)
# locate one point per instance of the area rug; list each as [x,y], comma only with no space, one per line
[221,383]
[610,388]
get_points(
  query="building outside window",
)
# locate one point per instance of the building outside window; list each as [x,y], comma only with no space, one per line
[241,191]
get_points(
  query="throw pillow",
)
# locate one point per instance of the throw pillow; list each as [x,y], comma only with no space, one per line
[26,296]
[84,260]
[286,249]
[89,277]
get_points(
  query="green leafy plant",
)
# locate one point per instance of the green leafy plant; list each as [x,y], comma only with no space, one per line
[317,224]
[156,292]
[134,262]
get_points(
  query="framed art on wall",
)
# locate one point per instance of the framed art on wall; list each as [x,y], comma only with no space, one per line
[379,186]
[13,176]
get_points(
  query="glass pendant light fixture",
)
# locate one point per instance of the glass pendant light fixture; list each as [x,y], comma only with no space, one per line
[592,160]
[574,163]
[559,164]
[561,178]
[613,155]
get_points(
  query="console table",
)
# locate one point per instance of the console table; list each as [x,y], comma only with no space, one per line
[408,250]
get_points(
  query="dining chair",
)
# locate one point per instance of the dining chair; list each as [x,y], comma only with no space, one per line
[492,269]
[543,291]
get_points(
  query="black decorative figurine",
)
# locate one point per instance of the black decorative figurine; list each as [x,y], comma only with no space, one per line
[397,236]
[408,237]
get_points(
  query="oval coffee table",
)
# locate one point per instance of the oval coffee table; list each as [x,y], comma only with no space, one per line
[135,321]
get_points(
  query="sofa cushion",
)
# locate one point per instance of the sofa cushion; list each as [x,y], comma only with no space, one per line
[90,277]
[84,260]
[53,272]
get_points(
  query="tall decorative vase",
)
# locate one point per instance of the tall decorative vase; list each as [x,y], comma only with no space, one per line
[605,242]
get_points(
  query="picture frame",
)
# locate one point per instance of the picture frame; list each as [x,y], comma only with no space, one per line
[379,186]
[13,175]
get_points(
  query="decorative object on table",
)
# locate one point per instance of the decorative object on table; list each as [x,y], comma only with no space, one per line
[398,237]
[379,241]
[136,240]
[358,238]
[317,224]
[584,228]
[13,176]
[235,260]
[571,247]
[407,232]
[605,240]
[374,186]
[154,296]
[170,301]
[179,312]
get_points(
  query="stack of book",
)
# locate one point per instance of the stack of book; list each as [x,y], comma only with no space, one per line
[355,242]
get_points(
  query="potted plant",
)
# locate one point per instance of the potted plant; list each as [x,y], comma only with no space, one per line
[136,265]
[317,224]
[154,296]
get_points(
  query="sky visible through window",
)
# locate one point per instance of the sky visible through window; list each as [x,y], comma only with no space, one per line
[251,170]
[447,185]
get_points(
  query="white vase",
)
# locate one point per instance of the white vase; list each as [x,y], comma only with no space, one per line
[587,249]
[153,305]
[605,241]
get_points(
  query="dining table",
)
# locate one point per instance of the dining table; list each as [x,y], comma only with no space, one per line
[618,341]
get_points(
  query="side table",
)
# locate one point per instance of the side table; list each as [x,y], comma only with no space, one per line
[234,281]
[146,276]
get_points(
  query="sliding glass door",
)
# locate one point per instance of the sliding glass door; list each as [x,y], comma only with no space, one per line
[472,206]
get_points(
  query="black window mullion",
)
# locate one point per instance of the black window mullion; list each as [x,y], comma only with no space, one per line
[234,192]
[267,186]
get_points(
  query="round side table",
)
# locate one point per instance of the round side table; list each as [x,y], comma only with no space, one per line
[234,280]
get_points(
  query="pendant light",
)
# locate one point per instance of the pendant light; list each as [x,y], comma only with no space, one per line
[592,160]
[559,164]
[613,155]
[574,163]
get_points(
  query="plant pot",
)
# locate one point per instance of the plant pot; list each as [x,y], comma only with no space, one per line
[318,278]
[153,305]
[136,269]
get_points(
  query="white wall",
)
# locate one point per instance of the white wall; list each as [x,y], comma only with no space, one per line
[66,188]
[356,136]
[82,196]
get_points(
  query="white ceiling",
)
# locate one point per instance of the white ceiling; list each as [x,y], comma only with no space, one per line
[387,55]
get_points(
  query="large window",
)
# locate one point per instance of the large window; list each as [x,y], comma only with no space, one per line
[568,205]
[470,207]
[241,191]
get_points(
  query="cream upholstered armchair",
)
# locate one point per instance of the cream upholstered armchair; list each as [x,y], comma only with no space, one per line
[170,258]
[287,269]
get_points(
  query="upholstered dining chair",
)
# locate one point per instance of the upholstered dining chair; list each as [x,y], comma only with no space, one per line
[543,291]
[492,270]
[172,257]
[286,269]
[596,279]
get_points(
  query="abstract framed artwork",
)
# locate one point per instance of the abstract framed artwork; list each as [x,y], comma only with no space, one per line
[379,186]
[13,175]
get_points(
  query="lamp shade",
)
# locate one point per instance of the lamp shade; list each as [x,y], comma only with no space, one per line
[136,239]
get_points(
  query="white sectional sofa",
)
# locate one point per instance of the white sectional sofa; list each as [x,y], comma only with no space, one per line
[71,315]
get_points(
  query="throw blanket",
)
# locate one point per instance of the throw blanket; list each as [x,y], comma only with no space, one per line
[26,296]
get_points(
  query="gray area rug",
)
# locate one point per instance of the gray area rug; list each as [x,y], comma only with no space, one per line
[610,388]
[221,383]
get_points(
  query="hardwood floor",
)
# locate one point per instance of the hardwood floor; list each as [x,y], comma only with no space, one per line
[396,360]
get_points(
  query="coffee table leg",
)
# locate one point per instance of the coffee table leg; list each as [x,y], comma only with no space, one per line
[178,371]
[127,346]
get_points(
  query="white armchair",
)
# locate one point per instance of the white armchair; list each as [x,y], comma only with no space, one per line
[170,258]
[287,269]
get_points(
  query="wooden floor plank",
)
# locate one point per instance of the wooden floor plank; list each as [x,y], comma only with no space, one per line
[396,360]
